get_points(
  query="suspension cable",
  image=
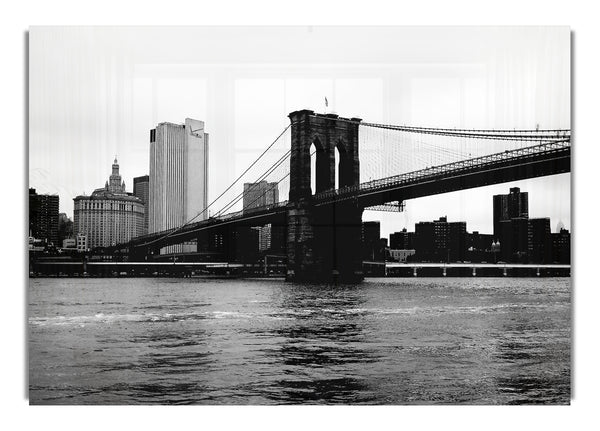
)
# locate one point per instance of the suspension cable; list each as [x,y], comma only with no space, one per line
[225,191]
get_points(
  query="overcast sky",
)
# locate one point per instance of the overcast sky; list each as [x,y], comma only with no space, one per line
[96,92]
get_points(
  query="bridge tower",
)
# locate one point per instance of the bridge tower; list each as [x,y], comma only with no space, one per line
[323,242]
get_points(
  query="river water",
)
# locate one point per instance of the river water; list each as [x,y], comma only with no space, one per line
[385,341]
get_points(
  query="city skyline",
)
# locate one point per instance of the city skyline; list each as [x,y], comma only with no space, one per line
[444,77]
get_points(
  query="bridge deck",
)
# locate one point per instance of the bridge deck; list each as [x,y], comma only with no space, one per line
[523,163]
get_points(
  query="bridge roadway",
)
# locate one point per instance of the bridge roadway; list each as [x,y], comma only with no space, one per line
[524,163]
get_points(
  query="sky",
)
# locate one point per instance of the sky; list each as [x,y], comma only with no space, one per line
[95,92]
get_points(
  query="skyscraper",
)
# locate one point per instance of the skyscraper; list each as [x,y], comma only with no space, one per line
[506,207]
[43,217]
[140,189]
[178,180]
[110,215]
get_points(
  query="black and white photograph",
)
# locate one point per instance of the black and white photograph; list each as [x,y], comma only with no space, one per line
[304,215]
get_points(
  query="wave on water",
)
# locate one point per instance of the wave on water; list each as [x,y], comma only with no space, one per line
[279,315]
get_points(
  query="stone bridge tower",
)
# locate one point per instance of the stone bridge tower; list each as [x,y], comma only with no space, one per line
[323,242]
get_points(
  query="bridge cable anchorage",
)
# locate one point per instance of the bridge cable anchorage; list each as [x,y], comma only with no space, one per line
[170,232]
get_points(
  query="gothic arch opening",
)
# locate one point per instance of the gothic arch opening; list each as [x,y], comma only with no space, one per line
[319,168]
[313,169]
[344,167]
[336,168]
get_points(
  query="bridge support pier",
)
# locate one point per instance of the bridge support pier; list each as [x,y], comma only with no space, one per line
[324,244]
[323,241]
[474,272]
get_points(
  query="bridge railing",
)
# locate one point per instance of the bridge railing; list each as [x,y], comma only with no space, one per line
[435,171]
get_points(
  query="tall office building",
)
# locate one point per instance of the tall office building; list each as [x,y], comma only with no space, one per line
[43,217]
[110,215]
[506,207]
[178,180]
[141,186]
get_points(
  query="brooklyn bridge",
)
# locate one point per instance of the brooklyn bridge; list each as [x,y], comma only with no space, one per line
[329,169]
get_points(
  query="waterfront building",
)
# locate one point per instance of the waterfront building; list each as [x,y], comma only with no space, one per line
[440,241]
[424,241]
[141,187]
[371,243]
[481,248]
[178,179]
[561,246]
[110,215]
[402,240]
[480,241]
[514,240]
[43,217]
[440,238]
[539,241]
[524,240]
[457,241]
[506,207]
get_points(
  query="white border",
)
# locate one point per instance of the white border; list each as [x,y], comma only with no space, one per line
[18,16]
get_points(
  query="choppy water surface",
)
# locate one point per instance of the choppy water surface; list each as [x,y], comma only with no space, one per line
[385,341]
